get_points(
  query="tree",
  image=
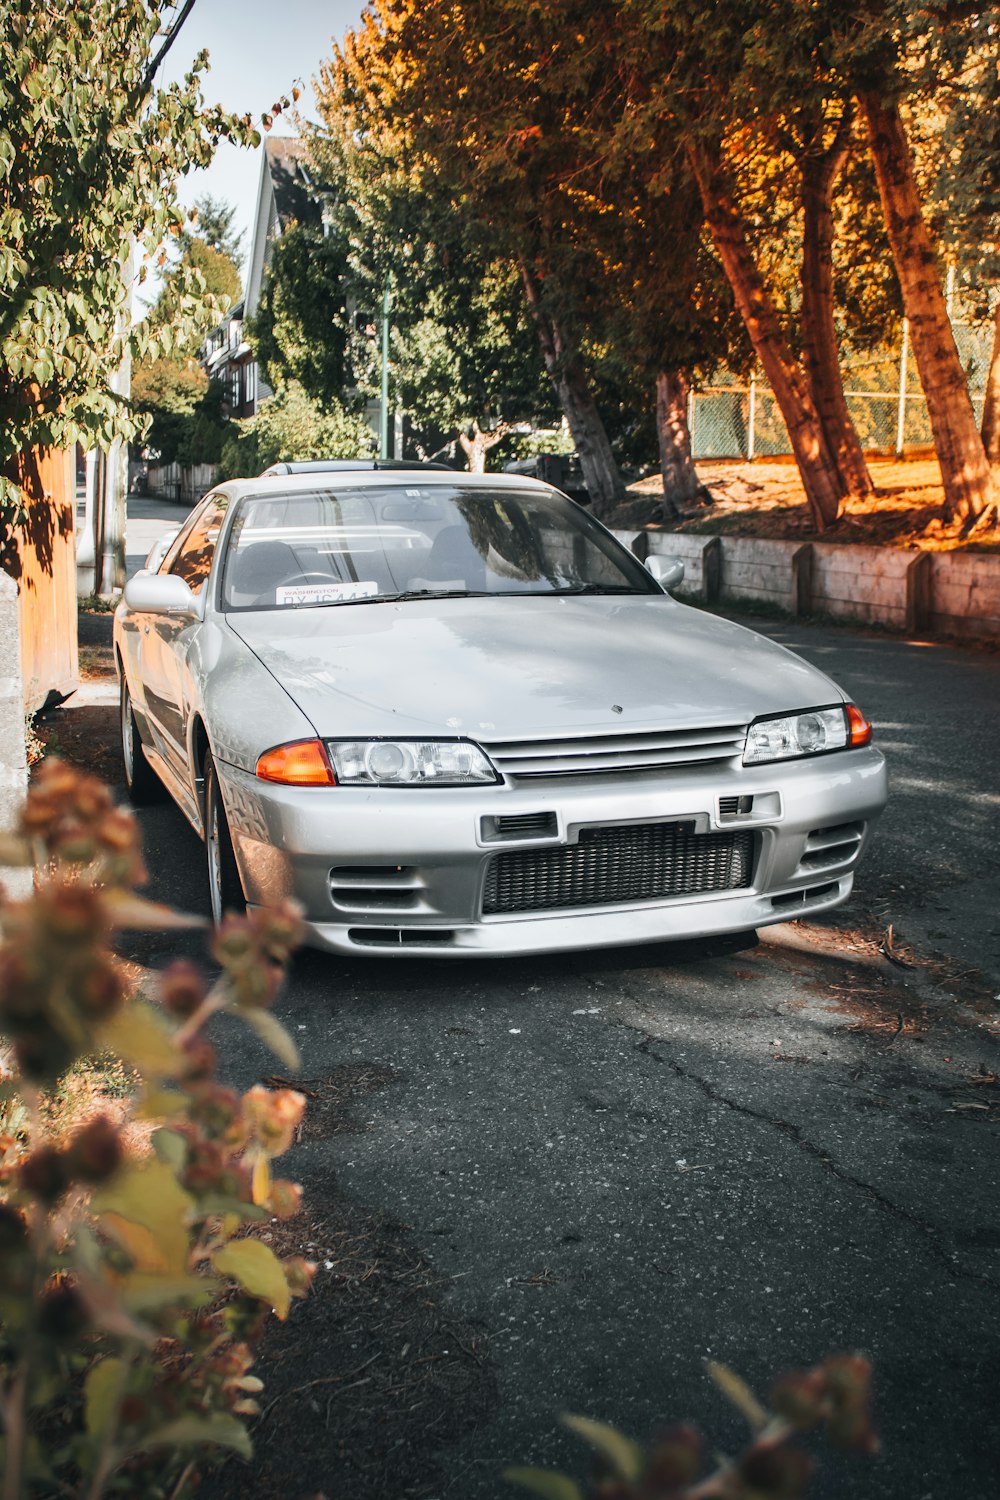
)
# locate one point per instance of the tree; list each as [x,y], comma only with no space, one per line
[465,363]
[663,320]
[894,55]
[171,388]
[469,363]
[217,270]
[213,223]
[185,410]
[563,118]
[467,112]
[91,159]
[736,90]
[299,330]
[290,426]
[965,469]
[966,205]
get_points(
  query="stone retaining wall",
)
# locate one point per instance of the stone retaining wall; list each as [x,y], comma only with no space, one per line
[946,593]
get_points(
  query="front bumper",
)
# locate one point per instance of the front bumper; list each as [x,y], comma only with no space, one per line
[402,870]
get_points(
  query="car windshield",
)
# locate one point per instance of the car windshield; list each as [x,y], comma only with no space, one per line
[383,543]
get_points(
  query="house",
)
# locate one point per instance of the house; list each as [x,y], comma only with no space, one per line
[286,195]
[228,358]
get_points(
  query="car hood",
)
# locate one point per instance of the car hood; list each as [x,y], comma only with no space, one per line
[514,667]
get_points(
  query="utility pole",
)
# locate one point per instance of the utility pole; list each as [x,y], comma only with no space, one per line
[904,355]
[107,518]
[384,413]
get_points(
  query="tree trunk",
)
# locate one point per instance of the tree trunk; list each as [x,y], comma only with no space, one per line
[820,476]
[991,399]
[475,444]
[965,472]
[820,356]
[681,485]
[600,471]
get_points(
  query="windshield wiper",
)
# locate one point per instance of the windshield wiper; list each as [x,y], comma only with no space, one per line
[600,588]
[433,594]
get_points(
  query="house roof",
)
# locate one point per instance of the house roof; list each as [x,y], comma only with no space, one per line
[287,163]
[287,194]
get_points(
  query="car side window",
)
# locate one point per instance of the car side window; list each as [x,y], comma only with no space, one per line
[167,560]
[191,556]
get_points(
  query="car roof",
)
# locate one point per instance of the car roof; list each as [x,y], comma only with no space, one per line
[353,465]
[295,484]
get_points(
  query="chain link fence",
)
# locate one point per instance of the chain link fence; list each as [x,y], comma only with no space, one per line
[735,420]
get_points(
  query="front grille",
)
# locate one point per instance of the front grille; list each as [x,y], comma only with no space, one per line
[635,750]
[612,866]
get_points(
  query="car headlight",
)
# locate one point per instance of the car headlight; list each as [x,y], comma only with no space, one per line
[409,763]
[815,731]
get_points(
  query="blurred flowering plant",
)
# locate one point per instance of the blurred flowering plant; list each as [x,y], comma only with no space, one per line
[130,1295]
[834,1397]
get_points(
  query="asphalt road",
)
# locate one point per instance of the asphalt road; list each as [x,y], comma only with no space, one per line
[147,520]
[625,1163]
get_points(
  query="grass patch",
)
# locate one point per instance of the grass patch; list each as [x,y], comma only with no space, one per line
[93,604]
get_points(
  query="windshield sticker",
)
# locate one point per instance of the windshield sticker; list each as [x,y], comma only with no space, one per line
[324,593]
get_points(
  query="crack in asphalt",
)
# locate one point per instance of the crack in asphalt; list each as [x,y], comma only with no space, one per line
[809,1148]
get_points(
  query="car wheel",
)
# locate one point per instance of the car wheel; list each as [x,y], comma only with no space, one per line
[225,889]
[142,782]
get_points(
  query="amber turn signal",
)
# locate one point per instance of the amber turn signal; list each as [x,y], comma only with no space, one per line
[859,731]
[302,763]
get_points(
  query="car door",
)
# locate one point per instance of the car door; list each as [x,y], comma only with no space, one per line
[168,640]
[135,626]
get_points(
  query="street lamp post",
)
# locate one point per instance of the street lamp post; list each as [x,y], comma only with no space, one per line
[384,413]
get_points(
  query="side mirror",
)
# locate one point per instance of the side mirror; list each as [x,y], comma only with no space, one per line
[161,594]
[159,549]
[668,571]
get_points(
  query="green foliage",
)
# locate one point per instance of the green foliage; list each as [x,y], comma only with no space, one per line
[176,326]
[289,426]
[541,440]
[170,391]
[217,271]
[465,363]
[91,158]
[213,223]
[170,385]
[129,1295]
[591,146]
[299,330]
[834,1397]
[185,410]
[464,358]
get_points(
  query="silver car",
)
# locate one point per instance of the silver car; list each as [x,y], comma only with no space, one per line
[451,714]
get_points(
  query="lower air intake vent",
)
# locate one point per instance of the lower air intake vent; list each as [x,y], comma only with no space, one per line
[828,847]
[611,866]
[792,899]
[402,937]
[537,825]
[361,888]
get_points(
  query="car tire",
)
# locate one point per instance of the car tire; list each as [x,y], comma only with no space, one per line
[225,888]
[141,781]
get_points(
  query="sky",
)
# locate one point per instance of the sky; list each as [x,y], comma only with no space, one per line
[258,49]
